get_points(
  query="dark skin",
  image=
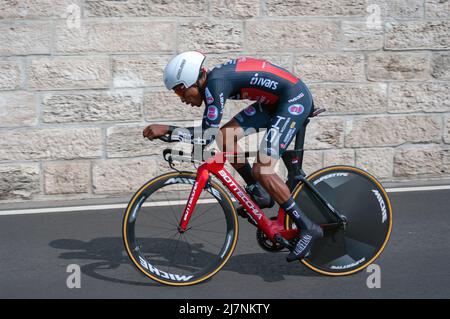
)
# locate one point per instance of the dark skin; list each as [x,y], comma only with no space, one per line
[231,132]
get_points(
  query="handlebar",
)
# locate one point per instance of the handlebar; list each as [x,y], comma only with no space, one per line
[170,155]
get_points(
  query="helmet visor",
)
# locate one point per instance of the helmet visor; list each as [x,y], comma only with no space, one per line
[180,89]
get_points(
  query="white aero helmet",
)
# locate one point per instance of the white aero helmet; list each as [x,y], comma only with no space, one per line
[183,68]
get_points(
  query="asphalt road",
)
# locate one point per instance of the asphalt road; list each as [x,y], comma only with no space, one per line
[35,251]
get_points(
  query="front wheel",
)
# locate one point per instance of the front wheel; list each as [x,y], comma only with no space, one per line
[362,200]
[160,250]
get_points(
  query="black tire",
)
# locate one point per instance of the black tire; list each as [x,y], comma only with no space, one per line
[365,204]
[192,263]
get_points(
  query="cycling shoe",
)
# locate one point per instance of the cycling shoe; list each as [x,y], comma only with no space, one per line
[259,195]
[303,247]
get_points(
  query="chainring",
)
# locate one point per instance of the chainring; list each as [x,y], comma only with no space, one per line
[266,243]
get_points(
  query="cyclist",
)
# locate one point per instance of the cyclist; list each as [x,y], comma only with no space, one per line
[282,104]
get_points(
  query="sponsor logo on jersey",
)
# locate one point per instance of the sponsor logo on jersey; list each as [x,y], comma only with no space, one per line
[290,134]
[250,110]
[285,124]
[296,109]
[271,134]
[298,97]
[221,100]
[279,120]
[239,118]
[212,113]
[274,130]
[268,83]
[209,98]
[292,125]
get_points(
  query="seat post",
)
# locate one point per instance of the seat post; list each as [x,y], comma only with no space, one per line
[300,137]
[293,159]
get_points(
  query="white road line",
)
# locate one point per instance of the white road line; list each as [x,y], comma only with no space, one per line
[96,207]
[417,189]
[175,202]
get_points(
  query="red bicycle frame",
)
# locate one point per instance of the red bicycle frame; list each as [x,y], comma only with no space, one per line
[216,166]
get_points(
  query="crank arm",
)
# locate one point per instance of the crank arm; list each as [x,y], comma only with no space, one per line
[283,242]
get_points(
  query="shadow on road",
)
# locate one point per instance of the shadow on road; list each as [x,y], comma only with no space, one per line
[109,254]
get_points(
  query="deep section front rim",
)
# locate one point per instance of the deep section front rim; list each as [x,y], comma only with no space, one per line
[152,258]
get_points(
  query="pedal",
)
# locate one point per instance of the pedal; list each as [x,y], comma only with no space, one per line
[283,242]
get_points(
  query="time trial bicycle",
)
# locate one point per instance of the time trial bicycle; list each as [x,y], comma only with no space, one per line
[181,228]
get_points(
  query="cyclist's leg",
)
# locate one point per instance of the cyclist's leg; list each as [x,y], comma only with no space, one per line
[291,113]
[283,127]
[247,122]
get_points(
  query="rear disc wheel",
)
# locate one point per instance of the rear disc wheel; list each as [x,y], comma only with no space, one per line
[362,200]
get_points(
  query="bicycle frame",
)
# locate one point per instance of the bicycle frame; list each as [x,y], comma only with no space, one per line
[293,160]
[216,166]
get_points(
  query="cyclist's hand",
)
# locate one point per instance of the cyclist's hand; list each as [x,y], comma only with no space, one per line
[155,130]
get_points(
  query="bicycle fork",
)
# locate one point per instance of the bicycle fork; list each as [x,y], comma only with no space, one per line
[197,188]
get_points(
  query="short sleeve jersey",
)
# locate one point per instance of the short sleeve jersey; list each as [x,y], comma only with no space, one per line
[244,79]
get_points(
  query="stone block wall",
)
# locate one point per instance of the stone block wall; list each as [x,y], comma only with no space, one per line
[80,79]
